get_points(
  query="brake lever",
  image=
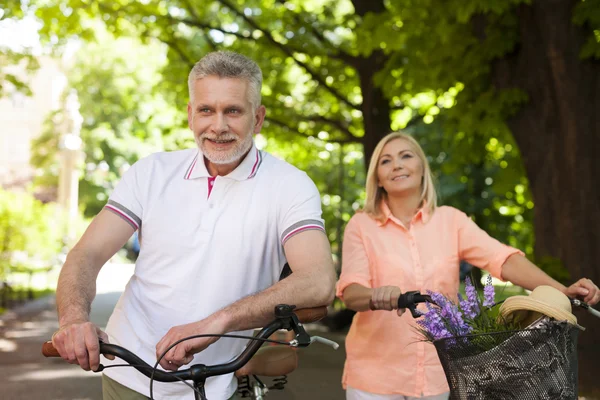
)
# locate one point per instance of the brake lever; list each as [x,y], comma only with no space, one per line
[324,341]
[585,306]
[411,299]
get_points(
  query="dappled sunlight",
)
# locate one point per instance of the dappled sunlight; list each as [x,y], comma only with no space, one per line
[28,333]
[7,346]
[46,374]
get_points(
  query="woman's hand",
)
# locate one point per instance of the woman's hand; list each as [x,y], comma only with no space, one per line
[386,298]
[584,289]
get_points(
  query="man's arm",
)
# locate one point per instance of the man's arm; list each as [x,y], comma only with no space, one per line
[310,285]
[77,338]
[520,271]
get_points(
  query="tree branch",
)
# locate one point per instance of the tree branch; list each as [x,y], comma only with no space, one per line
[336,123]
[337,53]
[290,54]
[173,44]
[201,25]
[294,130]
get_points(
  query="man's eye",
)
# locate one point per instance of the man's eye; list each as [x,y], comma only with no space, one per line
[233,111]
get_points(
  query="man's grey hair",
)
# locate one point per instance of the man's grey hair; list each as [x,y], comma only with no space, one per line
[227,64]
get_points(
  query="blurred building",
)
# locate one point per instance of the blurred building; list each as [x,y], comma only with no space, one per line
[22,118]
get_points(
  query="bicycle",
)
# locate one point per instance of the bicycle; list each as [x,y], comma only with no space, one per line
[268,363]
[536,362]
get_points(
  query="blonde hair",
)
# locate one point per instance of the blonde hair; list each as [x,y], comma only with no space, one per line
[375,193]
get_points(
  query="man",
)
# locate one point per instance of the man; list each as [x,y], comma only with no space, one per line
[216,226]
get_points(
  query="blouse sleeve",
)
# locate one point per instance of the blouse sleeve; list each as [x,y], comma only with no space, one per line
[480,249]
[355,261]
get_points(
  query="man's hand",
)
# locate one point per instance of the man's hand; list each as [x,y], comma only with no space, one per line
[183,353]
[77,343]
[584,289]
[386,298]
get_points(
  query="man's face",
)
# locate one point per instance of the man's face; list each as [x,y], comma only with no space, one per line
[222,118]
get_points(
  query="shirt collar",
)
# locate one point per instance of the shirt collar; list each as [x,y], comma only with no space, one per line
[422,214]
[247,169]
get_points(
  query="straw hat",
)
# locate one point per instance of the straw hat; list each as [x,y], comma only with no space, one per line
[543,300]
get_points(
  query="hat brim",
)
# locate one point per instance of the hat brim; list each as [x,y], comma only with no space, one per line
[519,303]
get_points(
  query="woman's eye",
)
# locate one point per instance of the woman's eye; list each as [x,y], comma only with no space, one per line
[384,162]
[407,156]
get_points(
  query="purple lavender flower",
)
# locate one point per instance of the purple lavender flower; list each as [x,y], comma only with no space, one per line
[471,293]
[488,293]
[450,314]
[471,305]
[467,307]
[433,323]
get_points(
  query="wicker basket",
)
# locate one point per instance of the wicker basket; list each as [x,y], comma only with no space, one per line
[538,363]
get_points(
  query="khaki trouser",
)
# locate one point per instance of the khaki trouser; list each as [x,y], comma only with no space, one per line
[355,394]
[113,390]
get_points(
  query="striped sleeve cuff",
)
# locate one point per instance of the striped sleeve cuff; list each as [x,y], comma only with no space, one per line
[124,213]
[301,226]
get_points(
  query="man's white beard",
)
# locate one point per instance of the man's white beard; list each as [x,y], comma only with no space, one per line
[226,157]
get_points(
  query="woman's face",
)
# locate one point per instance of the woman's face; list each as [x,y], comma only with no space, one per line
[399,169]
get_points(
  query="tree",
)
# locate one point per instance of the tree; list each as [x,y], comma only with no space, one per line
[11,57]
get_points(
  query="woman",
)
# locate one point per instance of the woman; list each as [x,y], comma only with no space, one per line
[402,241]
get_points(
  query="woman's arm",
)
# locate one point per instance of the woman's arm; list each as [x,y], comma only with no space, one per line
[357,297]
[520,271]
[360,298]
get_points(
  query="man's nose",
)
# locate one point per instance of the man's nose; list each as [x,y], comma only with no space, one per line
[219,124]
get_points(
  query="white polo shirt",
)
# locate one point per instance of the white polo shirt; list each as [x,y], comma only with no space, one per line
[205,243]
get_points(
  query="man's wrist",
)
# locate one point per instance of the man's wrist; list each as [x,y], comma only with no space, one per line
[72,319]
[225,320]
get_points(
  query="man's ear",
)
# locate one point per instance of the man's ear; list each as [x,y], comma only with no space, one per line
[259,118]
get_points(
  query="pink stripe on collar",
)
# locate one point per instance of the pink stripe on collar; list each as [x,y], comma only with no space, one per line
[255,164]
[192,168]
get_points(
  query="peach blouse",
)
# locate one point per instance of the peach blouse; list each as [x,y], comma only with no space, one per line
[384,352]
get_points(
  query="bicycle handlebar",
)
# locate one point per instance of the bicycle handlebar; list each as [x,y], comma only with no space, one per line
[285,318]
[411,299]
[586,307]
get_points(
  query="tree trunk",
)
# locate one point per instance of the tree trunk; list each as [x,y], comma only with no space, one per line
[558,133]
[375,107]
[376,114]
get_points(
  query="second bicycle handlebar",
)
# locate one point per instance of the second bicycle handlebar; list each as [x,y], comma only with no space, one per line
[411,299]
